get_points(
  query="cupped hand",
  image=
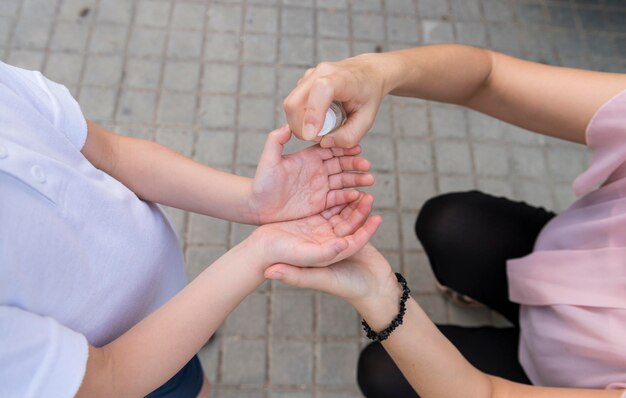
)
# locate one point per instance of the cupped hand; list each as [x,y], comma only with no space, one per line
[365,276]
[359,83]
[306,182]
[321,239]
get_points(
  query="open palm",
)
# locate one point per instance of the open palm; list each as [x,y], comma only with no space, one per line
[321,239]
[304,183]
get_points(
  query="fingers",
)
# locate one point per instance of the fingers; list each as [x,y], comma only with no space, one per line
[294,107]
[319,100]
[329,213]
[310,278]
[352,229]
[329,153]
[351,133]
[363,235]
[346,163]
[357,240]
[346,151]
[308,102]
[340,197]
[350,180]
[274,143]
[352,216]
[321,254]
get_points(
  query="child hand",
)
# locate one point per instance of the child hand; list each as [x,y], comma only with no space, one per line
[321,239]
[304,183]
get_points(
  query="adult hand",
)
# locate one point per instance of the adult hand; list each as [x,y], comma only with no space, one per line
[321,239]
[359,83]
[306,182]
[364,280]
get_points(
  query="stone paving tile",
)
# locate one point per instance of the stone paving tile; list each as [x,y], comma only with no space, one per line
[455,183]
[249,318]
[292,314]
[498,187]
[491,159]
[469,316]
[243,362]
[180,140]
[336,318]
[336,364]
[291,363]
[208,80]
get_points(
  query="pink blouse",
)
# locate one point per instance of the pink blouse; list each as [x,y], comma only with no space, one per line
[572,288]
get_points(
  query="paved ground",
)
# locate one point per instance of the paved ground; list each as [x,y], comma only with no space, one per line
[207,78]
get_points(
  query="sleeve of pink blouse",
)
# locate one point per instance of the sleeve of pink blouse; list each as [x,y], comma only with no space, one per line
[606,137]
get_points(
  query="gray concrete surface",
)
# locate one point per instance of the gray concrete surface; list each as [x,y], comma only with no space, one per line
[207,78]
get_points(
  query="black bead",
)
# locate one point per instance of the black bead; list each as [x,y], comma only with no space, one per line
[397,321]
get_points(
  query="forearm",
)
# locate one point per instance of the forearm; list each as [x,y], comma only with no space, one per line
[158,174]
[445,73]
[550,100]
[425,357]
[152,351]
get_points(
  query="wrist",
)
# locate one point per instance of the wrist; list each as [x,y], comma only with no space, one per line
[379,309]
[248,208]
[393,67]
[255,248]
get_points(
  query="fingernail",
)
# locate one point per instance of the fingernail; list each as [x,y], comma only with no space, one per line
[308,132]
[275,275]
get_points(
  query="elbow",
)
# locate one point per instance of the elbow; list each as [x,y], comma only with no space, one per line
[484,83]
[99,380]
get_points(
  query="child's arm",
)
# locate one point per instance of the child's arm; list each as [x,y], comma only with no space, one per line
[152,351]
[285,187]
[426,358]
[546,99]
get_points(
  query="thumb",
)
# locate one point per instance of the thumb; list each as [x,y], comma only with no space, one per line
[311,278]
[274,143]
[349,135]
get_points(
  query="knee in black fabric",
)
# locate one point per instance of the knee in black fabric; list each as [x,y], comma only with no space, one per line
[441,221]
[444,224]
[379,377]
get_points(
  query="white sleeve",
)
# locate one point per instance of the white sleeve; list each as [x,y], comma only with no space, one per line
[38,356]
[50,99]
[69,117]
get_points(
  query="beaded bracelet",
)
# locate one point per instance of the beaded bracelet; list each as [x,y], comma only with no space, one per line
[384,334]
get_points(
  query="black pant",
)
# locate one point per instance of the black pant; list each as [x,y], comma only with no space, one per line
[467,237]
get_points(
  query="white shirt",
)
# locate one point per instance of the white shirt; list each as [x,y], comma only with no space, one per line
[82,259]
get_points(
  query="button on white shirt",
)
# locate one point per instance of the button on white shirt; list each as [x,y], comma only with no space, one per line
[38,174]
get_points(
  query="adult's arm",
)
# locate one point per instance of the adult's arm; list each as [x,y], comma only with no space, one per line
[424,355]
[550,100]
[427,359]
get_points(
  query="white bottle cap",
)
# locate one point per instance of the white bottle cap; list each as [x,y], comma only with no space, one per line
[329,123]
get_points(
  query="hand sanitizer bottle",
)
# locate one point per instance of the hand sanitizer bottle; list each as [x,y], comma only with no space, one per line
[335,117]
